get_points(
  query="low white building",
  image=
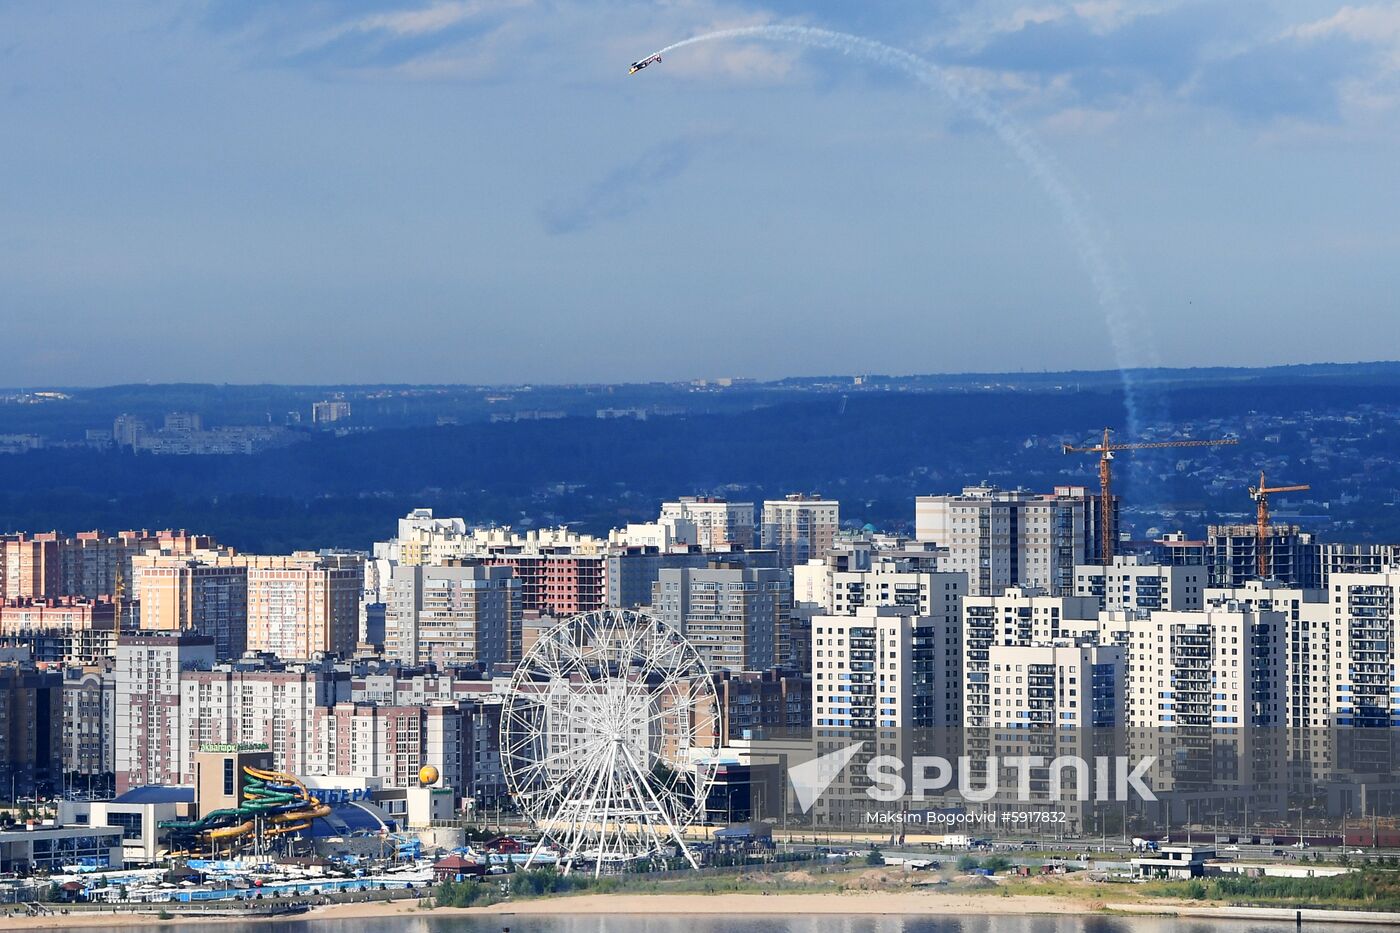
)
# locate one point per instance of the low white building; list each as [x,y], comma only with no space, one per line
[138,814]
[54,848]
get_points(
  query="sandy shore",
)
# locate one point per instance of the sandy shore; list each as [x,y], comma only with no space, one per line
[868,903]
[862,902]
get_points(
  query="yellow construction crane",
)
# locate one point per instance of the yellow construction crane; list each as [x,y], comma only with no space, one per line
[1260,494]
[1106,449]
[118,592]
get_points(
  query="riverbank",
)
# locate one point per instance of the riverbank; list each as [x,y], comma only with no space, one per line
[849,903]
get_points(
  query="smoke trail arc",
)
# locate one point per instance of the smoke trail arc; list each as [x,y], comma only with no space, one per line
[1126,331]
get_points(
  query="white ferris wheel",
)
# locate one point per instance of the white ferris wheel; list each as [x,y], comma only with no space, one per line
[604,734]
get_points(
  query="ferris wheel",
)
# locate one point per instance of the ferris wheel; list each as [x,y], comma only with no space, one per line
[604,736]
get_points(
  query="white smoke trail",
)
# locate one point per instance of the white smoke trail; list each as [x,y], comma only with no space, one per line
[1125,330]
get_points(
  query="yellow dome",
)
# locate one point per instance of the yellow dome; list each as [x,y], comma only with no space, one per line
[428,775]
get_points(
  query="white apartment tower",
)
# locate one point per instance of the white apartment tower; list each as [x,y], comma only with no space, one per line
[1017,617]
[891,583]
[886,667]
[1365,649]
[1135,586]
[1223,668]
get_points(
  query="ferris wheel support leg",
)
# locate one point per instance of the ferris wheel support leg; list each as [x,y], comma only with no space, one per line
[675,833]
[572,843]
[609,795]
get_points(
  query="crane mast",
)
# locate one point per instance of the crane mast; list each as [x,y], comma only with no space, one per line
[1105,449]
[1260,494]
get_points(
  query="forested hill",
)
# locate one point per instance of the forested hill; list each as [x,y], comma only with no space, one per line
[875,451]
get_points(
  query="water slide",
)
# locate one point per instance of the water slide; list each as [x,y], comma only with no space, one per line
[280,799]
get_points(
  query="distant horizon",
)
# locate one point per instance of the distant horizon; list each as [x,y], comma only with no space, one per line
[747,380]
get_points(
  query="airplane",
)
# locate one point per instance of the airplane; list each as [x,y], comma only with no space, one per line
[638,66]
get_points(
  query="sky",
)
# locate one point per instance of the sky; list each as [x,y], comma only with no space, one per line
[476,191]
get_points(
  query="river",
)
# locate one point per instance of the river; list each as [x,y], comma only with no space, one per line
[741,924]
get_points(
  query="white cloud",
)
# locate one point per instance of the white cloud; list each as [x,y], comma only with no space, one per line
[430,19]
[1379,25]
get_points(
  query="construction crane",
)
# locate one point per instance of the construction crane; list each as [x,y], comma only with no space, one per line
[1260,494]
[1106,449]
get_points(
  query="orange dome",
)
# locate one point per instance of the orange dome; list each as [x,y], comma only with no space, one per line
[428,775]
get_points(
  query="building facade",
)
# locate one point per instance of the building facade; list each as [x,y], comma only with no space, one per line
[304,605]
[735,617]
[800,527]
[718,522]
[1002,538]
[453,615]
[150,743]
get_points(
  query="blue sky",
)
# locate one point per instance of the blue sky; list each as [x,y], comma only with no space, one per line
[475,191]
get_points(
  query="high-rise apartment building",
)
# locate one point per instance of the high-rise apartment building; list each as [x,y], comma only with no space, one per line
[886,667]
[1222,668]
[757,703]
[149,743]
[800,527]
[61,631]
[89,721]
[891,582]
[263,703]
[718,522]
[87,565]
[56,615]
[424,539]
[31,729]
[735,617]
[206,594]
[393,742]
[1002,538]
[1131,584]
[93,564]
[1065,684]
[31,568]
[1365,648]
[304,605]
[1356,558]
[559,583]
[1308,673]
[454,614]
[1017,617]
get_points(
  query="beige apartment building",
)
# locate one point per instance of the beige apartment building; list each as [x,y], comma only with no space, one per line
[304,604]
[718,522]
[455,614]
[800,527]
[206,593]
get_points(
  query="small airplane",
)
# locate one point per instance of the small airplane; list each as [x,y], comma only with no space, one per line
[638,66]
